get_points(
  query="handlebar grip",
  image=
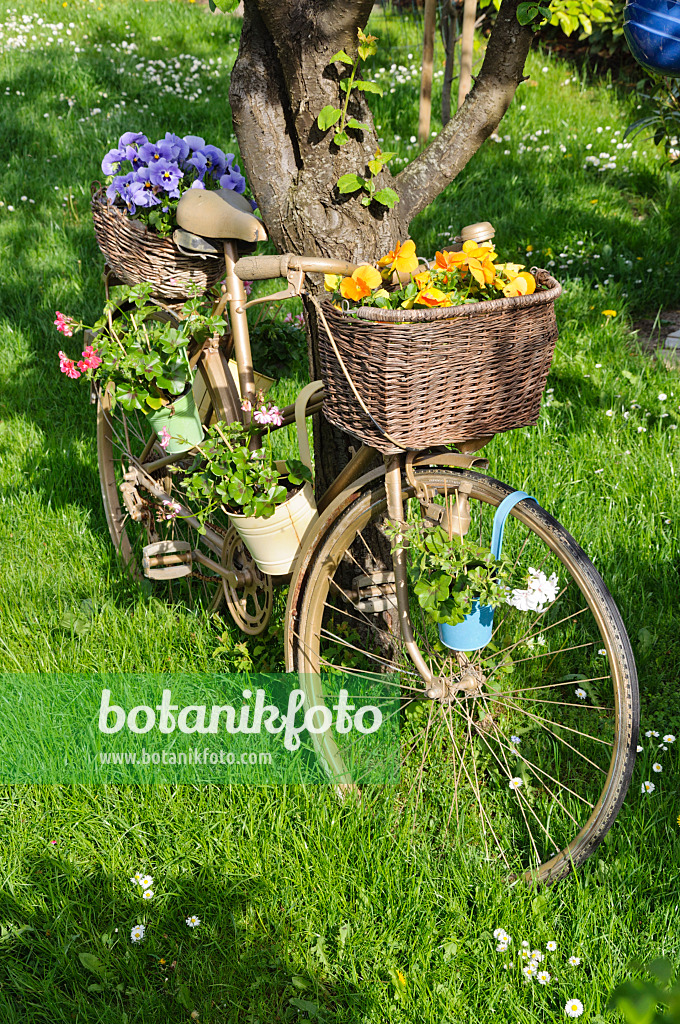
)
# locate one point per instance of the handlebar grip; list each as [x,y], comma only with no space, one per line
[260,268]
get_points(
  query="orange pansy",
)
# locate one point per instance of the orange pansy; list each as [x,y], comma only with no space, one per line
[433,297]
[450,260]
[362,282]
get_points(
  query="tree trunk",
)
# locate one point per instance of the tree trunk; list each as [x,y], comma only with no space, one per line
[281,80]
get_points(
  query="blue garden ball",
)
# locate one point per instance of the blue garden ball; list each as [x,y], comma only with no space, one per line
[652,31]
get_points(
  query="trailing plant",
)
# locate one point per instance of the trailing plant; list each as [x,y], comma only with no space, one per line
[663,123]
[139,351]
[228,472]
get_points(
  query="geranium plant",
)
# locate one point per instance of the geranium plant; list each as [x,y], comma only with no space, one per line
[147,178]
[449,572]
[138,348]
[453,279]
[227,471]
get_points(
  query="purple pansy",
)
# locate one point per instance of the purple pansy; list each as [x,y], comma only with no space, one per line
[197,184]
[233,178]
[199,162]
[132,139]
[216,160]
[112,161]
[180,148]
[143,194]
[133,156]
[194,142]
[166,175]
[118,184]
[152,152]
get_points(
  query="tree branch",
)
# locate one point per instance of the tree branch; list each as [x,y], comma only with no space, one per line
[479,116]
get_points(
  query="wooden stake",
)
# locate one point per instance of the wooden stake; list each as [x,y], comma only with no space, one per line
[466,46]
[426,76]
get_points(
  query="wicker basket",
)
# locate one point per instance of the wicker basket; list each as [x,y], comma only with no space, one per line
[135,253]
[434,376]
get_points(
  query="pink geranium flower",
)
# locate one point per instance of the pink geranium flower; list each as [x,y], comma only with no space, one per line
[64,324]
[164,439]
[68,366]
[268,415]
[91,359]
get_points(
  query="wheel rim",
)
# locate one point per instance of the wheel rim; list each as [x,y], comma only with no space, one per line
[575,754]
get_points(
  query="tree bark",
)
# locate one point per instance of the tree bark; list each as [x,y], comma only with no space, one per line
[281,80]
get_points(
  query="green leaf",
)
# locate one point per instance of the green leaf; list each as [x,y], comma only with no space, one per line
[526,13]
[340,138]
[358,125]
[91,963]
[366,200]
[350,183]
[341,55]
[367,87]
[328,117]
[226,6]
[386,196]
[184,997]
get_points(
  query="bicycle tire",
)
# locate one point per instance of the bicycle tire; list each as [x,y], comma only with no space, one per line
[590,776]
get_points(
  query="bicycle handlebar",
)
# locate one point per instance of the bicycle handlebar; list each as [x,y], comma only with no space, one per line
[261,268]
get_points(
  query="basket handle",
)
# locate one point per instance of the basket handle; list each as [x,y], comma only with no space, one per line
[349,379]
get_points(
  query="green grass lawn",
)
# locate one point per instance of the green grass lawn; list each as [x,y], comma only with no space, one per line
[310,909]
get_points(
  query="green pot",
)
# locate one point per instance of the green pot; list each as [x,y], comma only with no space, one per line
[182,421]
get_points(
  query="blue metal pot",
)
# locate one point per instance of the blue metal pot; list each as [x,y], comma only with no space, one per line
[652,31]
[476,629]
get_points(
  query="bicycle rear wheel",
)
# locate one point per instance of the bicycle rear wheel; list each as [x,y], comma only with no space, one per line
[527,765]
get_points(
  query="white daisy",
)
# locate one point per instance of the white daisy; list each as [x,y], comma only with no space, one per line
[147,894]
[551,946]
[542,977]
[602,651]
[529,970]
[574,1008]
[501,947]
[499,933]
[669,738]
[525,944]
[137,933]
[146,881]
[193,921]
[515,783]
[648,787]
[656,767]
[136,878]
[574,961]
[536,955]
[580,693]
[639,749]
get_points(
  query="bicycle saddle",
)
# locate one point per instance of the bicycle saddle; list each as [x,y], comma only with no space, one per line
[219,214]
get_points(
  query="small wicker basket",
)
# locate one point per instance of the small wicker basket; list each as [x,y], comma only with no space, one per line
[136,253]
[436,376]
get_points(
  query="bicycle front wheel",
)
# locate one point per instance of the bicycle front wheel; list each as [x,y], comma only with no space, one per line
[522,751]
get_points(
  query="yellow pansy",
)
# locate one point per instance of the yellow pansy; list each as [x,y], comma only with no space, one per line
[402,258]
[331,282]
[432,297]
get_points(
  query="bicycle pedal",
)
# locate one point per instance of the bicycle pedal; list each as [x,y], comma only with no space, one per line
[167,560]
[375,592]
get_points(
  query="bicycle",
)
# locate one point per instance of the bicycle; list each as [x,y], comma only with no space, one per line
[493,748]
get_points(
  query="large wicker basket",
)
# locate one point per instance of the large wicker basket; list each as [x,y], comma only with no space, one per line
[136,253]
[429,377]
